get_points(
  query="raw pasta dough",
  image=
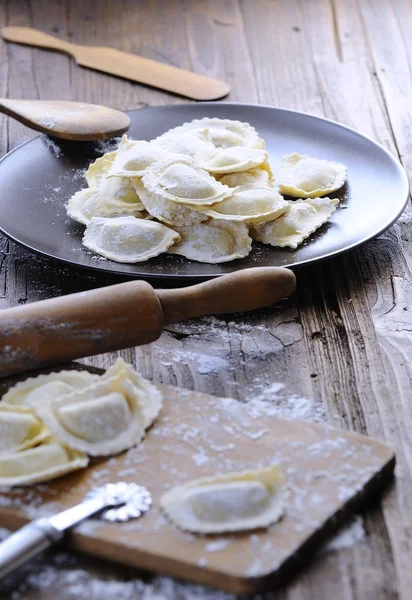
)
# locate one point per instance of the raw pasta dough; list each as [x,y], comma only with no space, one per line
[20,428]
[297,224]
[47,461]
[190,178]
[127,239]
[233,502]
[213,241]
[305,177]
[102,419]
[43,388]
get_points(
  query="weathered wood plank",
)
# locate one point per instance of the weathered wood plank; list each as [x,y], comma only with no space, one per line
[345,339]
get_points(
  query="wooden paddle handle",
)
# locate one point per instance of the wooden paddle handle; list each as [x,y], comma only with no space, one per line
[33,37]
[124,315]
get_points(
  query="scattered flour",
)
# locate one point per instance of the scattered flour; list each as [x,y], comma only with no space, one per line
[217,546]
[347,537]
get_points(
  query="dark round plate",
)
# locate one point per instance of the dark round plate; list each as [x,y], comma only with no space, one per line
[37,178]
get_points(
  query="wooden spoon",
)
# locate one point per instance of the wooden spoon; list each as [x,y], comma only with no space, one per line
[68,120]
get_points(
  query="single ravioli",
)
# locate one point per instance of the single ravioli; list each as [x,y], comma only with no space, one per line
[35,391]
[47,461]
[297,224]
[117,196]
[150,397]
[250,205]
[102,419]
[20,428]
[232,502]
[224,133]
[127,239]
[134,156]
[213,241]
[82,206]
[99,168]
[183,181]
[171,213]
[259,177]
[195,143]
[114,196]
[234,160]
[305,177]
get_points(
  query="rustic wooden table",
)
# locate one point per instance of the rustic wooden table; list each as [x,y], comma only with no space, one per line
[343,343]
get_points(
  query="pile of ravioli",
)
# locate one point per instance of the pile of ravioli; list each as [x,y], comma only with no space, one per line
[51,424]
[203,190]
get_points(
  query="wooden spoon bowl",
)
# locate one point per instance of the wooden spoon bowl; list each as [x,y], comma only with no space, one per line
[68,120]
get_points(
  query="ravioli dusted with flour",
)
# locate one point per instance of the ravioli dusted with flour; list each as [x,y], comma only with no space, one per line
[117,196]
[49,460]
[302,219]
[82,206]
[20,428]
[250,205]
[102,419]
[150,398]
[232,502]
[39,390]
[128,239]
[112,198]
[204,181]
[224,133]
[195,143]
[234,160]
[183,181]
[134,157]
[98,169]
[259,177]
[167,211]
[305,177]
[213,241]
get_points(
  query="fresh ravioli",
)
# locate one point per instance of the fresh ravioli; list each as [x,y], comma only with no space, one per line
[224,133]
[151,400]
[195,143]
[183,181]
[128,239]
[134,157]
[234,160]
[259,177]
[232,502]
[49,460]
[99,168]
[40,390]
[102,419]
[305,177]
[302,219]
[213,241]
[167,211]
[250,205]
[20,428]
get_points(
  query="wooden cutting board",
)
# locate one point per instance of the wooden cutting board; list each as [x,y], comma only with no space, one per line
[328,472]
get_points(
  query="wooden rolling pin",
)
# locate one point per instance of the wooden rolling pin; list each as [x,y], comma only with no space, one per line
[125,315]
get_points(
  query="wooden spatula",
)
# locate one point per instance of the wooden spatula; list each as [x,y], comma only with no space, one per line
[125,315]
[123,64]
[67,120]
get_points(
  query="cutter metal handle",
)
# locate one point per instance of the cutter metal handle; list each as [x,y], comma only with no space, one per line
[43,533]
[26,543]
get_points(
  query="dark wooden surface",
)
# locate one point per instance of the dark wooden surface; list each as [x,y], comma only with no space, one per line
[344,340]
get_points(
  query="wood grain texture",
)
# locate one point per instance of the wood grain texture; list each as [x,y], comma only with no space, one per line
[344,340]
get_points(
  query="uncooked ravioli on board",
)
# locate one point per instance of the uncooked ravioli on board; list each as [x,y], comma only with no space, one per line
[204,190]
[51,424]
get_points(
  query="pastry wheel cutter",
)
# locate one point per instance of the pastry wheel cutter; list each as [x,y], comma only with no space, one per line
[114,502]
